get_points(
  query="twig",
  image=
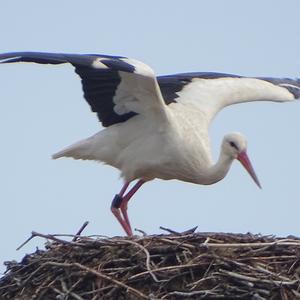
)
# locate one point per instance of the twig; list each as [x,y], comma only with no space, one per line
[147,259]
[140,231]
[29,239]
[69,292]
[181,244]
[100,275]
[169,230]
[164,269]
[46,236]
[80,231]
[260,280]
[250,245]
[189,231]
[194,284]
[189,294]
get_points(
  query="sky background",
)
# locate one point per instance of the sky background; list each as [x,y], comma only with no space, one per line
[42,110]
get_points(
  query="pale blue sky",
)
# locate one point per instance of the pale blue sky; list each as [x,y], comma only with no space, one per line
[42,110]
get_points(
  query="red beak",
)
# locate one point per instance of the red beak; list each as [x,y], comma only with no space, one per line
[245,161]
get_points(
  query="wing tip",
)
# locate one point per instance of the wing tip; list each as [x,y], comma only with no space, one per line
[293,89]
[36,57]
[9,58]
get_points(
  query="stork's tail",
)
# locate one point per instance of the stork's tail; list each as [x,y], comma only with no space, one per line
[59,154]
[79,150]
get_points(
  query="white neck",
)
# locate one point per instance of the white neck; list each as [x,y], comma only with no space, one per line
[219,170]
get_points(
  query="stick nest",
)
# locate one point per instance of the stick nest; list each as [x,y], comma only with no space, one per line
[188,266]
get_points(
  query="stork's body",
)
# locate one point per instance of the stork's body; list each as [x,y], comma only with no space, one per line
[158,127]
[141,149]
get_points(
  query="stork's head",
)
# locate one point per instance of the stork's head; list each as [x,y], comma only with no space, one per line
[235,146]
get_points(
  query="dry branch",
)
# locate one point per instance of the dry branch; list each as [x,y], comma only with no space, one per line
[175,266]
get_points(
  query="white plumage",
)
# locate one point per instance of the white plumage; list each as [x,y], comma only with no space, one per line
[157,127]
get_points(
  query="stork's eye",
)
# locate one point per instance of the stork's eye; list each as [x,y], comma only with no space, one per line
[233,144]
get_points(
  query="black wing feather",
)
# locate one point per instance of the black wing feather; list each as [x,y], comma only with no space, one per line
[99,85]
[99,89]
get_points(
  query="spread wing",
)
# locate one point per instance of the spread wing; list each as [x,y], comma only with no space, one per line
[117,88]
[210,92]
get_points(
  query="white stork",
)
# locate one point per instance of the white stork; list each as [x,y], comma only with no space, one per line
[157,127]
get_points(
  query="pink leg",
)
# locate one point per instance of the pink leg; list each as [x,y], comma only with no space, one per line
[126,199]
[123,189]
[120,202]
[115,205]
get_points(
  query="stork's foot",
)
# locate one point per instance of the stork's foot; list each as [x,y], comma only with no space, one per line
[120,202]
[118,210]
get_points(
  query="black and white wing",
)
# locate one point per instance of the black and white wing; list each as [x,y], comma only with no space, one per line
[117,88]
[210,92]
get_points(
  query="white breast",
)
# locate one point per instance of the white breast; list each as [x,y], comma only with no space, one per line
[178,149]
